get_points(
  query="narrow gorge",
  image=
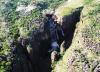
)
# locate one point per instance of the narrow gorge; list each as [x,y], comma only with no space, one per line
[35,57]
[50,36]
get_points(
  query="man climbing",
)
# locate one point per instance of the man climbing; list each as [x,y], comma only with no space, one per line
[51,26]
[53,33]
[54,38]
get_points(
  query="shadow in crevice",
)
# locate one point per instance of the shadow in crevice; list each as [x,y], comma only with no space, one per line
[69,26]
[45,61]
[38,59]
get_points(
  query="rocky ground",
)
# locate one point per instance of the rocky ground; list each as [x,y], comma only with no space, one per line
[84,53]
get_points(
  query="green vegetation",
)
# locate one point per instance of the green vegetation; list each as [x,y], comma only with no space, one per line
[66,11]
[52,3]
[14,25]
[5,59]
[84,50]
[87,1]
[10,30]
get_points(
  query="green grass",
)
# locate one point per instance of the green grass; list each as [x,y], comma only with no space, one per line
[66,11]
[88,29]
[88,1]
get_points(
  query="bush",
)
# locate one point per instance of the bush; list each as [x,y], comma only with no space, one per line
[5,59]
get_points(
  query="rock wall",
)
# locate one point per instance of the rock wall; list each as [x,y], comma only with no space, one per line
[83,54]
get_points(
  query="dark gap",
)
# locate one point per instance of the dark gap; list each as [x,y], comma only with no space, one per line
[38,60]
[69,26]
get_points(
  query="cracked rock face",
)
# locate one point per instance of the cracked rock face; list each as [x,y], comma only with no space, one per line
[84,53]
[97,69]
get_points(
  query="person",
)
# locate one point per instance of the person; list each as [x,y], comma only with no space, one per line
[53,33]
[55,45]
